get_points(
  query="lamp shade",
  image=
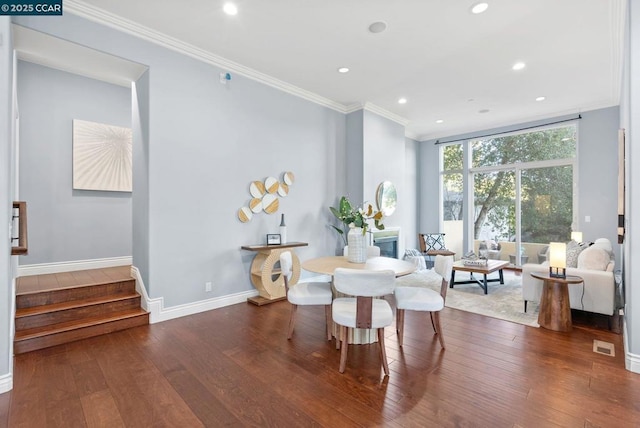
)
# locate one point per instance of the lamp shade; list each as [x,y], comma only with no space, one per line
[558,255]
[576,236]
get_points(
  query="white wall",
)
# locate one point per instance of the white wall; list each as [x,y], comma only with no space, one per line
[6,197]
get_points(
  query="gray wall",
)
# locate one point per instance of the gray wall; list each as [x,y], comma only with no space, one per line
[206,143]
[384,160]
[597,173]
[7,298]
[67,224]
[140,203]
[411,195]
[630,120]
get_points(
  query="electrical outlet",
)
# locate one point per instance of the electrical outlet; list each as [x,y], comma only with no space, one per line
[207,286]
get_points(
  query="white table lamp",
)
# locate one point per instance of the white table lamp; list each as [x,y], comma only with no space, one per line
[558,259]
[576,236]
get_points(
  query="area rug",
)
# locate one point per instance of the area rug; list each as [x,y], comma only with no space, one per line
[504,301]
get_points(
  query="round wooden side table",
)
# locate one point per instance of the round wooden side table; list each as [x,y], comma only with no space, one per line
[555,309]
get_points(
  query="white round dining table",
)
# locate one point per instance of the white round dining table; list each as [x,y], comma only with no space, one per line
[327,265]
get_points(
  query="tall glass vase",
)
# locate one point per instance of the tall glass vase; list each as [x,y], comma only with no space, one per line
[357,245]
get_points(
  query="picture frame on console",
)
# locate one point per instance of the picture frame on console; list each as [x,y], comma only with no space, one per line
[273,239]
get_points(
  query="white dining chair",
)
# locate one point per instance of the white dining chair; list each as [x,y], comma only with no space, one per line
[362,310]
[416,298]
[372,251]
[305,293]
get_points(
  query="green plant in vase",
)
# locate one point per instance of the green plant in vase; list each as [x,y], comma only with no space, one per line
[351,216]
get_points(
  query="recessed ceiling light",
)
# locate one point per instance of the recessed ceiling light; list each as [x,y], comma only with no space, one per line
[378,27]
[402,101]
[343,70]
[479,8]
[484,110]
[541,98]
[439,121]
[230,9]
[518,66]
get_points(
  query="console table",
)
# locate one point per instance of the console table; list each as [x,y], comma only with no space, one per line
[265,276]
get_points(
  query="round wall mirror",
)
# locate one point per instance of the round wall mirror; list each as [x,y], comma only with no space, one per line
[386,198]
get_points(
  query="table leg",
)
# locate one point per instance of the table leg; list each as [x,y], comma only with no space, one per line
[486,287]
[453,278]
[501,276]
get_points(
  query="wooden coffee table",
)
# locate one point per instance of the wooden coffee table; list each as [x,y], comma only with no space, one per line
[492,266]
[555,308]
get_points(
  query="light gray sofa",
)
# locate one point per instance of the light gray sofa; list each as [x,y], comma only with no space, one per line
[595,265]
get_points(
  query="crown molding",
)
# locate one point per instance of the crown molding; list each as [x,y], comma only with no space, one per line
[103,17]
[386,113]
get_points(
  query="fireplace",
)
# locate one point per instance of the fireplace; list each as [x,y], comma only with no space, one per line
[387,240]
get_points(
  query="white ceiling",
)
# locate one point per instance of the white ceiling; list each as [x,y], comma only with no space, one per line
[447,62]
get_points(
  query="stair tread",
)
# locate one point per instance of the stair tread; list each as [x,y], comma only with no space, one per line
[30,284]
[72,304]
[78,324]
[73,286]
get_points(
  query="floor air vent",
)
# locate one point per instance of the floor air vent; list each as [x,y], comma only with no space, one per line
[604,348]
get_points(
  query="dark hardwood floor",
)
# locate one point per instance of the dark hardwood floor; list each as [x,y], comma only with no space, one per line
[234,367]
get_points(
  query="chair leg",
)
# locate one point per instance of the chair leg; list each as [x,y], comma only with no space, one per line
[292,320]
[327,313]
[383,351]
[400,325]
[436,321]
[525,306]
[432,322]
[343,351]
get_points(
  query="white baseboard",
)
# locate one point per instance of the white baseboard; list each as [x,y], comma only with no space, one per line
[158,313]
[6,383]
[631,361]
[45,268]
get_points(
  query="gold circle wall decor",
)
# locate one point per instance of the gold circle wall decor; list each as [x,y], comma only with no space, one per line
[288,178]
[265,196]
[270,203]
[245,214]
[256,205]
[271,184]
[256,188]
[283,190]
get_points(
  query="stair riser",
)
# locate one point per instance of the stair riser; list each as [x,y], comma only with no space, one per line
[73,314]
[29,345]
[79,293]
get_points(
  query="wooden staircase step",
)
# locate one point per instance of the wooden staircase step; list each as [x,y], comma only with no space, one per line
[26,300]
[47,336]
[56,313]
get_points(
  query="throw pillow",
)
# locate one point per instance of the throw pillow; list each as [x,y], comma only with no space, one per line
[415,257]
[434,241]
[573,251]
[593,258]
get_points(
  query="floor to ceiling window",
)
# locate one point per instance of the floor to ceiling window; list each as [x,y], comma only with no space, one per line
[520,195]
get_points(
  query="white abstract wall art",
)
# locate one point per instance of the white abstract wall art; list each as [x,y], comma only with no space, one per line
[102,157]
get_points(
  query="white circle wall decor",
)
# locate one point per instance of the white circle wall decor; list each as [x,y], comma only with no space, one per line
[245,214]
[256,188]
[256,205]
[265,196]
[272,184]
[283,190]
[270,203]
[288,178]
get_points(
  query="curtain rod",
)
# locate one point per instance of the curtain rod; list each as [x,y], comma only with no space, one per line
[509,132]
